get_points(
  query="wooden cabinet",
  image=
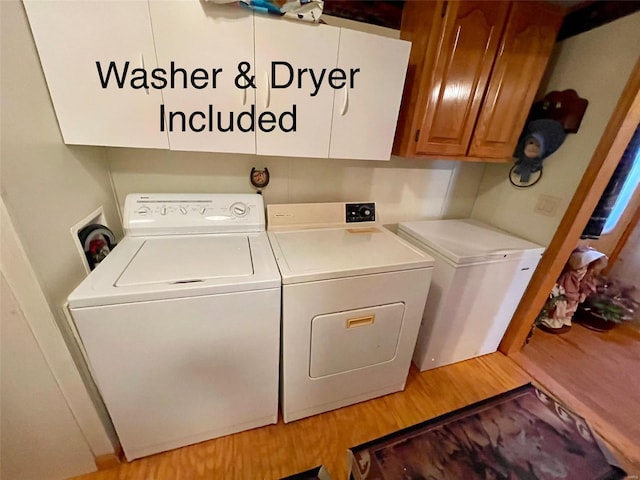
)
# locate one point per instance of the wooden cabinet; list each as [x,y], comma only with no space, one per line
[474,71]
[196,35]
[71,37]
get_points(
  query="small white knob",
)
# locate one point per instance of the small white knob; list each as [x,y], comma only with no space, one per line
[183,210]
[203,211]
[239,209]
[163,211]
[143,210]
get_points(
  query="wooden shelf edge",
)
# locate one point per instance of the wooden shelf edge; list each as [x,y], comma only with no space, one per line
[456,158]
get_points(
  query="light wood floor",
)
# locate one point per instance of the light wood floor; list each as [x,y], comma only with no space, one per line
[598,374]
[279,450]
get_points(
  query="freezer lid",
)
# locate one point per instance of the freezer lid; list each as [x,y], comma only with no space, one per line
[309,255]
[190,259]
[468,241]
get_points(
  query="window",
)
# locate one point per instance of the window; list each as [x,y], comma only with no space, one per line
[618,193]
[629,186]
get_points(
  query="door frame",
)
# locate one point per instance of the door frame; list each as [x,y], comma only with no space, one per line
[23,282]
[614,141]
[615,253]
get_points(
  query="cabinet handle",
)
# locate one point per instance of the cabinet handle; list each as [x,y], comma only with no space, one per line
[345,102]
[267,93]
[142,66]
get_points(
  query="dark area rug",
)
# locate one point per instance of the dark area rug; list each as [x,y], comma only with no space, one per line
[523,434]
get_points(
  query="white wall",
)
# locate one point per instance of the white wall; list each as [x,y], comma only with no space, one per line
[39,435]
[47,186]
[404,188]
[597,65]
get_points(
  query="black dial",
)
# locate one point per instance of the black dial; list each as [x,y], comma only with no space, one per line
[365,211]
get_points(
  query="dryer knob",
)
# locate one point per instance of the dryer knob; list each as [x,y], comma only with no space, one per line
[365,211]
[144,210]
[183,210]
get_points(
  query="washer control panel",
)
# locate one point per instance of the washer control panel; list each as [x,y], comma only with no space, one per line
[166,214]
[360,212]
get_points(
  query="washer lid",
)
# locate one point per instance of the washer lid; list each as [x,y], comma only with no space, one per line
[187,260]
[320,254]
[178,266]
[468,241]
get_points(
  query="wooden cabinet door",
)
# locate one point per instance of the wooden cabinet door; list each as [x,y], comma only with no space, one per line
[525,48]
[202,35]
[302,46]
[454,87]
[365,116]
[71,36]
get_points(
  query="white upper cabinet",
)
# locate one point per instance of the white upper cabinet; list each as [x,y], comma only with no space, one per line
[71,37]
[210,40]
[304,47]
[169,74]
[365,116]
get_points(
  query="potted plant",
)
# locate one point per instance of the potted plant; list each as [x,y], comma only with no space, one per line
[613,302]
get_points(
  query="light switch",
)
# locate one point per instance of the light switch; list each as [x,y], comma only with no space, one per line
[547,205]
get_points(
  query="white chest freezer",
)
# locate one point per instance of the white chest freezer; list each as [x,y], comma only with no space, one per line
[479,277]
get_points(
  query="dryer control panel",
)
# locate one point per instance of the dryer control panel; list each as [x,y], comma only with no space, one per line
[360,212]
[321,215]
[167,214]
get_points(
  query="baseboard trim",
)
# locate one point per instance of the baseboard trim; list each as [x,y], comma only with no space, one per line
[110,460]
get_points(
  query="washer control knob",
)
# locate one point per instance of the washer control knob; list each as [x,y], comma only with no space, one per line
[163,211]
[239,209]
[183,210]
[203,211]
[143,210]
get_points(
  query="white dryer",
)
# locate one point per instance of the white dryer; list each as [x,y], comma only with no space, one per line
[352,299]
[181,322]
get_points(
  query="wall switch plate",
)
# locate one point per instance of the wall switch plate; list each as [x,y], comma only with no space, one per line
[547,205]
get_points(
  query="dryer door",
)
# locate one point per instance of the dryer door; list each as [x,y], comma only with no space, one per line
[354,339]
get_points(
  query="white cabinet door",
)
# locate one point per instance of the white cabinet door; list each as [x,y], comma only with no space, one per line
[201,35]
[302,46]
[71,36]
[365,116]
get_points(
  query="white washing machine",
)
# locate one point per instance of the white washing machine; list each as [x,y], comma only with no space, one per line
[181,322]
[479,277]
[352,299]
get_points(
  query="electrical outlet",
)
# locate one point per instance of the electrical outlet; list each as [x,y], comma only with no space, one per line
[547,205]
